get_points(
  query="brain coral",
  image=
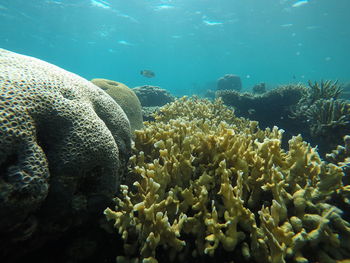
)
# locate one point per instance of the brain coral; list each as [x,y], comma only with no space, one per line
[126,99]
[206,189]
[63,145]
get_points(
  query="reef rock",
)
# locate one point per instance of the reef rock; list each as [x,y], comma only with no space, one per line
[63,147]
[151,96]
[126,99]
[259,88]
[269,109]
[229,82]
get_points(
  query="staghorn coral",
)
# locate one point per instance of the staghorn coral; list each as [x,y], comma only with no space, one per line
[202,190]
[126,99]
[327,116]
[328,122]
[322,114]
[325,90]
[63,149]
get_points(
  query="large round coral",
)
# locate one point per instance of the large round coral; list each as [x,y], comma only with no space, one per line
[126,98]
[63,147]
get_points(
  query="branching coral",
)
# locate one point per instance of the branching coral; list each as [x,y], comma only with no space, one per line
[200,109]
[325,90]
[323,113]
[341,157]
[326,115]
[204,189]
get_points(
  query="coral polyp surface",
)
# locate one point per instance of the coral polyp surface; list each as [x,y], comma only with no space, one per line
[63,147]
[204,187]
[125,97]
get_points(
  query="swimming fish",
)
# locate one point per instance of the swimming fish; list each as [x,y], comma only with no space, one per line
[147,73]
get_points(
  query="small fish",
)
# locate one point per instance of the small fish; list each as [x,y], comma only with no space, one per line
[300,3]
[147,73]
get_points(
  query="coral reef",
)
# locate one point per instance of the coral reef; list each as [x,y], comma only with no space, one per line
[341,157]
[324,90]
[149,112]
[151,96]
[324,115]
[210,94]
[270,108]
[328,117]
[229,82]
[194,108]
[202,187]
[314,111]
[259,88]
[314,92]
[126,98]
[64,144]
[345,94]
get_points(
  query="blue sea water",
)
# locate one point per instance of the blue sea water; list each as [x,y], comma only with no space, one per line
[189,44]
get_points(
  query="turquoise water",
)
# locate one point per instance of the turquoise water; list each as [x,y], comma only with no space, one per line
[189,44]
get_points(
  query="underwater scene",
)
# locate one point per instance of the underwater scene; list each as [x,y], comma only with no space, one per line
[165,131]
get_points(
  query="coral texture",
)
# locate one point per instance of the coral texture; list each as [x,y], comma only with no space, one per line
[126,99]
[151,96]
[329,118]
[229,82]
[324,115]
[341,155]
[205,187]
[270,108]
[63,145]
[259,88]
[149,112]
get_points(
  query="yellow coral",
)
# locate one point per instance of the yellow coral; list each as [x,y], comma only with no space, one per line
[203,188]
